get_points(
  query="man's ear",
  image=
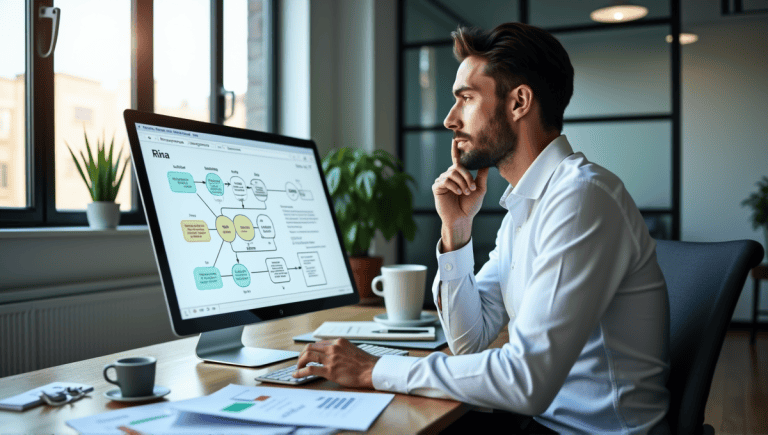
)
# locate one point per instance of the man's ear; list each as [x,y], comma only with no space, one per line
[520,102]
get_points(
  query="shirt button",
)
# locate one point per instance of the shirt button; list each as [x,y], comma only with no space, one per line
[513,265]
[387,385]
[448,266]
[517,230]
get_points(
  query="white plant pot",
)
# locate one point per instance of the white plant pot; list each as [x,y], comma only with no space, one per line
[103,215]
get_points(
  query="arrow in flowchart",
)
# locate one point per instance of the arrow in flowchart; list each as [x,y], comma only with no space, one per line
[201,182]
[236,257]
[294,268]
[227,184]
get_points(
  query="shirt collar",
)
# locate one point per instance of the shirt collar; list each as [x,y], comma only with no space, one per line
[536,177]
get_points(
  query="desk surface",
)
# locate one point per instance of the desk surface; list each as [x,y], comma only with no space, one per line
[180,370]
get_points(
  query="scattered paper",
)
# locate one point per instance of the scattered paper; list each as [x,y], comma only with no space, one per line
[164,419]
[292,406]
[373,331]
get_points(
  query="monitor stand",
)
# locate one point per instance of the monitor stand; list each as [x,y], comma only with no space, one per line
[226,346]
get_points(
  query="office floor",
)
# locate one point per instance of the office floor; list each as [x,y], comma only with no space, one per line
[738,398]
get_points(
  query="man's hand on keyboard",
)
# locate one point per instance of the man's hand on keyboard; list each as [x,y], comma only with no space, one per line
[342,362]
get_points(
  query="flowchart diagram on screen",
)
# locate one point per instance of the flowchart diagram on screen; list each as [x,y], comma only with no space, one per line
[244,222]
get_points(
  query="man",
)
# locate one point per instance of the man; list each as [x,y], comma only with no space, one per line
[574,274]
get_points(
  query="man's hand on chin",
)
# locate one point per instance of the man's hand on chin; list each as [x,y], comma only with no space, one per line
[343,363]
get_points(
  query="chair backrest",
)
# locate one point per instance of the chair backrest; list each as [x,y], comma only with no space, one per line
[704,281]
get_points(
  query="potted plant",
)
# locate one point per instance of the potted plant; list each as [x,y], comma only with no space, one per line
[370,192]
[102,182]
[758,202]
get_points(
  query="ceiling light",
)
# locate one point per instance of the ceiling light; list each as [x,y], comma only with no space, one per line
[619,13]
[685,38]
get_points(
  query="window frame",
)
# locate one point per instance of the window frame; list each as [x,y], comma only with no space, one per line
[39,112]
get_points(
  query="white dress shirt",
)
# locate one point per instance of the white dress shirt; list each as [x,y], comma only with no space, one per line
[574,277]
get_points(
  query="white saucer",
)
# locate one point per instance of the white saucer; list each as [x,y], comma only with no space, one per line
[157,393]
[426,319]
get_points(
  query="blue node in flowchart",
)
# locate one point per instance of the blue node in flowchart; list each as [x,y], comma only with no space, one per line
[181,182]
[266,228]
[208,278]
[214,184]
[241,275]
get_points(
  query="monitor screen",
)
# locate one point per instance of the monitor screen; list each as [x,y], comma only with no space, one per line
[241,223]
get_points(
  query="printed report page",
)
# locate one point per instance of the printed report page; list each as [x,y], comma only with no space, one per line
[245,224]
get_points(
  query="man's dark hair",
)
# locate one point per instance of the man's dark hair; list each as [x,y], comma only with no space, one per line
[518,54]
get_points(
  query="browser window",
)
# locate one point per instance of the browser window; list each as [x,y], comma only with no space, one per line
[244,223]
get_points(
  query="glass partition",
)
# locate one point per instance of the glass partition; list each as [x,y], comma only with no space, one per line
[619,72]
[640,153]
[560,13]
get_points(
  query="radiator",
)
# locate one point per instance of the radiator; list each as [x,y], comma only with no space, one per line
[50,332]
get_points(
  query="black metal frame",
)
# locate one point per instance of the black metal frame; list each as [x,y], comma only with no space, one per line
[39,112]
[738,8]
[523,14]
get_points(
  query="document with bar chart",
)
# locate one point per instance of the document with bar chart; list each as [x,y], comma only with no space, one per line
[292,406]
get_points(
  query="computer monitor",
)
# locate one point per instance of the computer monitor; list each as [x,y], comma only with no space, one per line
[242,227]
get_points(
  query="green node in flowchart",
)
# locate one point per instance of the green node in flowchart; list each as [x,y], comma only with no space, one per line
[241,275]
[181,182]
[208,278]
[214,184]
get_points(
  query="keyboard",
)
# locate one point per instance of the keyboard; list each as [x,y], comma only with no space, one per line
[285,375]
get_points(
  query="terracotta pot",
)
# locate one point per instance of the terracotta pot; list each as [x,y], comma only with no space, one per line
[365,269]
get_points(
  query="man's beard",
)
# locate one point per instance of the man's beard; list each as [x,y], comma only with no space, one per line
[492,145]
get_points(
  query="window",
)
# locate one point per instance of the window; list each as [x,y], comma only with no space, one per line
[95,88]
[149,55]
[83,115]
[4,176]
[13,97]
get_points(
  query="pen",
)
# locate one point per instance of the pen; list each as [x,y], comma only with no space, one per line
[402,331]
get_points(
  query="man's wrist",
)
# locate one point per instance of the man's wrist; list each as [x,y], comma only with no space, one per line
[455,235]
[366,379]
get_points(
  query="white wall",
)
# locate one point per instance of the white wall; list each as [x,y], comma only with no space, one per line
[725,133]
[350,85]
[293,79]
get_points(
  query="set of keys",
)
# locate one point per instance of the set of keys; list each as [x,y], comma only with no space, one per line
[53,394]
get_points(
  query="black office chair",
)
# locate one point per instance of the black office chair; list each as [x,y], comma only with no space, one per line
[704,281]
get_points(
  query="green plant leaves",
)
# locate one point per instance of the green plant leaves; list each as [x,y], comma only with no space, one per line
[365,183]
[333,178]
[102,181]
[350,236]
[370,193]
[758,202]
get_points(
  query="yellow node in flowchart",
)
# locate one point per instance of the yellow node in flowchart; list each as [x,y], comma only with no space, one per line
[195,231]
[244,227]
[226,228]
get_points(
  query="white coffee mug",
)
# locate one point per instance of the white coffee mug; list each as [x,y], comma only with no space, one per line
[403,293]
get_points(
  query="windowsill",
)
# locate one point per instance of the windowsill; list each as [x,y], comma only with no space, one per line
[48,232]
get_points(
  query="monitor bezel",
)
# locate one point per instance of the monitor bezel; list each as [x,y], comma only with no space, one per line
[197,325]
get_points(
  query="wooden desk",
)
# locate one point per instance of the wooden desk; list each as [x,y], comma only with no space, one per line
[179,369]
